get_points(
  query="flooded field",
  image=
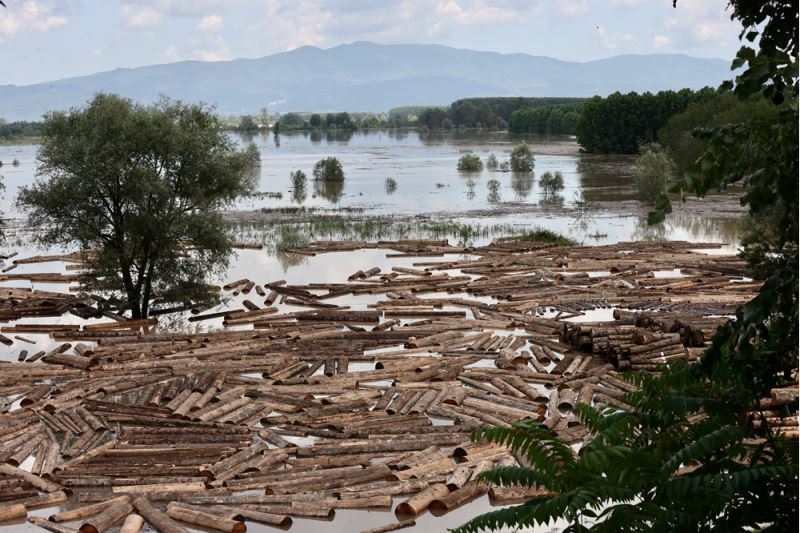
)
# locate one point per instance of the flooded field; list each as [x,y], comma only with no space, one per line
[432,198]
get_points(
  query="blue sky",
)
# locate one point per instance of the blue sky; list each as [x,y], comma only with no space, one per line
[44,40]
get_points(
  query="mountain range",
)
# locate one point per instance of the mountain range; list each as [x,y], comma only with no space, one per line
[365,76]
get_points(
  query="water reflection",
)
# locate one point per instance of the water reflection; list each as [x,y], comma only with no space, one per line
[299,195]
[645,231]
[552,200]
[522,183]
[338,136]
[288,260]
[494,191]
[605,177]
[330,190]
[471,189]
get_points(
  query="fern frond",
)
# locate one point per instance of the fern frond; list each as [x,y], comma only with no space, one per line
[509,476]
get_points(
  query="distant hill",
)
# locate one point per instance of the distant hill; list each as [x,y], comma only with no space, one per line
[366,77]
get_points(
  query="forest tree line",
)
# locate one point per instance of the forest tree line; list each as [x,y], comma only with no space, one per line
[492,113]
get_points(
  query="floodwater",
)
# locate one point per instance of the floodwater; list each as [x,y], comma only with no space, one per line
[428,186]
[596,206]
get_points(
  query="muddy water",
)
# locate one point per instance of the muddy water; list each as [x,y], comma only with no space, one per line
[428,184]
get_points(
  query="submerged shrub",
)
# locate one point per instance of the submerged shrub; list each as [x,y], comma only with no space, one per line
[521,159]
[298,178]
[470,163]
[15,162]
[654,169]
[494,191]
[328,169]
[390,185]
[551,182]
[491,162]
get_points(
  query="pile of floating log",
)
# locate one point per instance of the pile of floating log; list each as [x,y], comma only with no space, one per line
[301,406]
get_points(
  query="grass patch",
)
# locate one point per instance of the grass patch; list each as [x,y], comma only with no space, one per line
[290,239]
[546,236]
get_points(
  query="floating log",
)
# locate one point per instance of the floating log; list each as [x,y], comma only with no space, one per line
[184,513]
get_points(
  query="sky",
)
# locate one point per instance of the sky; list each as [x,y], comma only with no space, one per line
[42,40]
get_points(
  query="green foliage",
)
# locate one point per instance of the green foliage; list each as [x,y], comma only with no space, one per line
[247,123]
[290,238]
[253,155]
[19,130]
[521,158]
[558,119]
[678,138]
[470,163]
[328,169]
[547,236]
[298,178]
[494,191]
[619,123]
[390,185]
[654,169]
[551,183]
[493,111]
[144,186]
[491,162]
[292,121]
[687,457]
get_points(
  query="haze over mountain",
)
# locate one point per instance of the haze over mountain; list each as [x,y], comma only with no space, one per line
[365,76]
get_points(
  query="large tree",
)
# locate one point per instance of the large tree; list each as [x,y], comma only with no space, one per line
[141,188]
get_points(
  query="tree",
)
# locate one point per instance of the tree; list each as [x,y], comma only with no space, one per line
[315,121]
[491,162]
[328,169]
[298,178]
[141,189]
[551,183]
[521,158]
[247,123]
[698,451]
[263,117]
[654,169]
[619,123]
[470,163]
[725,108]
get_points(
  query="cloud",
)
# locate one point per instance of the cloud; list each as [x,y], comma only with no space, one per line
[180,8]
[573,8]
[661,42]
[28,17]
[210,22]
[612,42]
[699,23]
[140,16]
[479,13]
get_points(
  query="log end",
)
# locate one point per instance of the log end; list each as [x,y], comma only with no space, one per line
[437,508]
[404,510]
